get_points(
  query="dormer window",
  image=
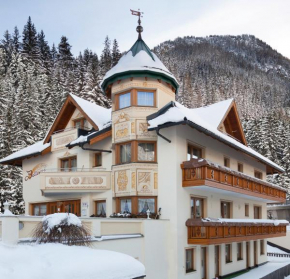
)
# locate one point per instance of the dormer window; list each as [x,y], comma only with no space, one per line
[80,123]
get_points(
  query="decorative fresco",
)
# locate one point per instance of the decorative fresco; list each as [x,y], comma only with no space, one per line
[35,171]
[122,180]
[133,180]
[144,182]
[155,180]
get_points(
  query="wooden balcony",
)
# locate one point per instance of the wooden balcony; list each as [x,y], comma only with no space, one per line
[207,233]
[201,172]
[77,181]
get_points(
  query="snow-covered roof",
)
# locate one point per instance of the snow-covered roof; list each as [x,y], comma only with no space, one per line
[208,118]
[33,149]
[66,262]
[99,115]
[138,61]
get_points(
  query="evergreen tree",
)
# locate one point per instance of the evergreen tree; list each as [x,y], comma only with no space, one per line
[16,40]
[116,54]
[65,56]
[106,57]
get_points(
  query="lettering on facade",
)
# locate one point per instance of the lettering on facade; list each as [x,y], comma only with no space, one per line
[75,181]
[35,171]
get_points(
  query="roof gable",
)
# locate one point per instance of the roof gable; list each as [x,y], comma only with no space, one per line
[96,115]
[231,124]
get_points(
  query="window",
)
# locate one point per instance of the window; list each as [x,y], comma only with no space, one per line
[246,210]
[240,167]
[239,251]
[98,159]
[257,212]
[39,209]
[145,99]
[101,208]
[68,164]
[125,153]
[81,123]
[196,208]
[126,205]
[193,152]
[189,260]
[145,204]
[258,174]
[124,100]
[226,209]
[226,162]
[146,151]
[228,254]
[262,247]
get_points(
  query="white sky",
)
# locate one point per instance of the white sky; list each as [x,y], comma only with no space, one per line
[87,22]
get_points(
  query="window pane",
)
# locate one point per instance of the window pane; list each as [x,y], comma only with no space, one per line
[73,163]
[189,260]
[145,204]
[146,99]
[64,165]
[98,159]
[43,209]
[78,124]
[146,152]
[125,153]
[124,100]
[126,206]
[36,210]
[198,208]
[101,208]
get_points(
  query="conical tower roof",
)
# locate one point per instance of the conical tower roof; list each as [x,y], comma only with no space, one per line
[139,61]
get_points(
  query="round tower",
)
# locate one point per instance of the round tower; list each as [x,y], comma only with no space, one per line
[139,85]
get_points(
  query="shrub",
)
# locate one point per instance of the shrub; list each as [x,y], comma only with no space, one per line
[63,228]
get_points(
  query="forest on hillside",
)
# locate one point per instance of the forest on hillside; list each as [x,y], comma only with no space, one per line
[35,78]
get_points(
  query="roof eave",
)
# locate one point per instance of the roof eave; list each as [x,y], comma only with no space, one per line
[132,73]
[204,130]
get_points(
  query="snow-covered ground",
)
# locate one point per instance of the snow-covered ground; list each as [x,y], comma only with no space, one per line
[48,261]
[273,264]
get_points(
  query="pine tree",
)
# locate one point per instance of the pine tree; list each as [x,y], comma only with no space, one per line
[45,54]
[116,54]
[29,41]
[106,57]
[65,56]
[16,40]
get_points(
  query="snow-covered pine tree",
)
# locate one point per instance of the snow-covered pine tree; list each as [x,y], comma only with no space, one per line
[116,54]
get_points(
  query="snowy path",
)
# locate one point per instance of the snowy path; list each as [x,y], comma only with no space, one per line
[273,264]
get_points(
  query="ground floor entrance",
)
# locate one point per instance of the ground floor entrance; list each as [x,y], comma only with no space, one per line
[203,263]
[70,206]
[217,260]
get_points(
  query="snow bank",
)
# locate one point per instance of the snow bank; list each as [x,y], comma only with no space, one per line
[48,261]
[207,117]
[56,219]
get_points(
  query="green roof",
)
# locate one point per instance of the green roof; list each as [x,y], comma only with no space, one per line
[140,45]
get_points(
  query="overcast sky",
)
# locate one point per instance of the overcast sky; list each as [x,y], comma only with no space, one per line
[87,22]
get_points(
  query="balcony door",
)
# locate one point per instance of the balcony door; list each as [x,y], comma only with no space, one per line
[225,209]
[197,205]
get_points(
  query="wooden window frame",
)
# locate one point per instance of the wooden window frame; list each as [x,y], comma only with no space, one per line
[134,152]
[229,161]
[82,120]
[95,159]
[260,211]
[202,205]
[230,208]
[134,202]
[239,251]
[242,167]
[155,151]
[39,204]
[258,173]
[191,146]
[192,260]
[262,247]
[134,98]
[69,162]
[229,258]
[247,210]
[96,207]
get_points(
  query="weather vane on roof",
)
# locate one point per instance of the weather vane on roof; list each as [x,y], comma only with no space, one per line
[139,28]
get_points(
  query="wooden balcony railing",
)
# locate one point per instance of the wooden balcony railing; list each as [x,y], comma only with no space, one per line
[206,233]
[201,172]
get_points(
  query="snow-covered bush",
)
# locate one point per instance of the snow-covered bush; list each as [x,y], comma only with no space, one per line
[63,228]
